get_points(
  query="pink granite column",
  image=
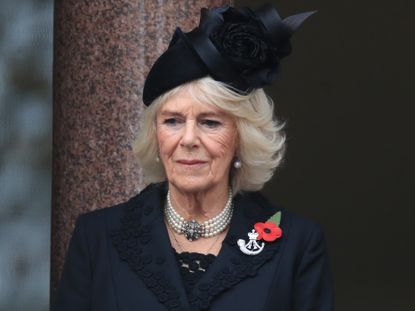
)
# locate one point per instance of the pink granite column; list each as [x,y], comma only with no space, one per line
[102,52]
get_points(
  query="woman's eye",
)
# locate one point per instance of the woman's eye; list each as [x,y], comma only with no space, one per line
[171,121]
[210,123]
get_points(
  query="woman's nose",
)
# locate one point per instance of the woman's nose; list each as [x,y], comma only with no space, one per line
[189,138]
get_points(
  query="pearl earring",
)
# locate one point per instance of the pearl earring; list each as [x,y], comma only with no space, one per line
[237,164]
[157,159]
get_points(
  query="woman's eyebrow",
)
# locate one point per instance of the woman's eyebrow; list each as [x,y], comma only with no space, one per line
[171,113]
[209,114]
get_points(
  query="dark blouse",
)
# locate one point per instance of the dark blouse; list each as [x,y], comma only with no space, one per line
[192,267]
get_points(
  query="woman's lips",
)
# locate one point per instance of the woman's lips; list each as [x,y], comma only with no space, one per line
[191,162]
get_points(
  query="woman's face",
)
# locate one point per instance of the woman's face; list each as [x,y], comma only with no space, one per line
[197,143]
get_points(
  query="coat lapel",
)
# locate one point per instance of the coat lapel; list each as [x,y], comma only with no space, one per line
[232,266]
[142,242]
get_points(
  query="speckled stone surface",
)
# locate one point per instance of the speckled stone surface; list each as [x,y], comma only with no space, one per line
[102,51]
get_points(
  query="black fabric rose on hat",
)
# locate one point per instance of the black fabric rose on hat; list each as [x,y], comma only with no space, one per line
[242,40]
[244,45]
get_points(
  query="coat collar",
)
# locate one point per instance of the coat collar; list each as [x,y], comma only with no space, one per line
[142,241]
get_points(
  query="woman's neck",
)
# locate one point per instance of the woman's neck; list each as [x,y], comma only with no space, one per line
[200,205]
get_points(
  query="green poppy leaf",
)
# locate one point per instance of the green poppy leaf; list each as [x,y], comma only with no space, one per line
[276,218]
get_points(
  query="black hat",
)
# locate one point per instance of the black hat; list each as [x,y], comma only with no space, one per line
[241,48]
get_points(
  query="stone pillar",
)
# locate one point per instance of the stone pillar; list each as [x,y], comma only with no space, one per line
[102,52]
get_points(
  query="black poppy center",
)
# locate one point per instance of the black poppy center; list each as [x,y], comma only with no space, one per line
[266,230]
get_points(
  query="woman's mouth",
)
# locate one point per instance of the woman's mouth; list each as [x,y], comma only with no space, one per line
[191,162]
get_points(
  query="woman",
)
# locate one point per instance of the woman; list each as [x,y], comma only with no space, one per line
[200,236]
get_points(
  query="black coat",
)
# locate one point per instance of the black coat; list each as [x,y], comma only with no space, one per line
[120,258]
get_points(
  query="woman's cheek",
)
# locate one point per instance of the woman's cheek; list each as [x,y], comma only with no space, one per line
[225,144]
[166,142]
[162,135]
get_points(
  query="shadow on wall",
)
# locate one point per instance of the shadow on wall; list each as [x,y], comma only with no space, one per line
[25,153]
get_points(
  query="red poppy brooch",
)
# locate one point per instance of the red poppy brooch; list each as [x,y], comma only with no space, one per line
[268,231]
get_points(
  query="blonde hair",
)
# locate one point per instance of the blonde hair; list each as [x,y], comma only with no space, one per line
[261,143]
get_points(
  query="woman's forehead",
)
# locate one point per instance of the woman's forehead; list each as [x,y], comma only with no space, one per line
[184,102]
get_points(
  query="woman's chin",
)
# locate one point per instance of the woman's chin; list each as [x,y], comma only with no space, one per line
[192,184]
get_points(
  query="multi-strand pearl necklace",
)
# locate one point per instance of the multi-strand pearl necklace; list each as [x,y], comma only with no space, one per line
[191,228]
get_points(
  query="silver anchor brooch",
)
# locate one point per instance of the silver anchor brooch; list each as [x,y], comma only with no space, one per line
[252,247]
